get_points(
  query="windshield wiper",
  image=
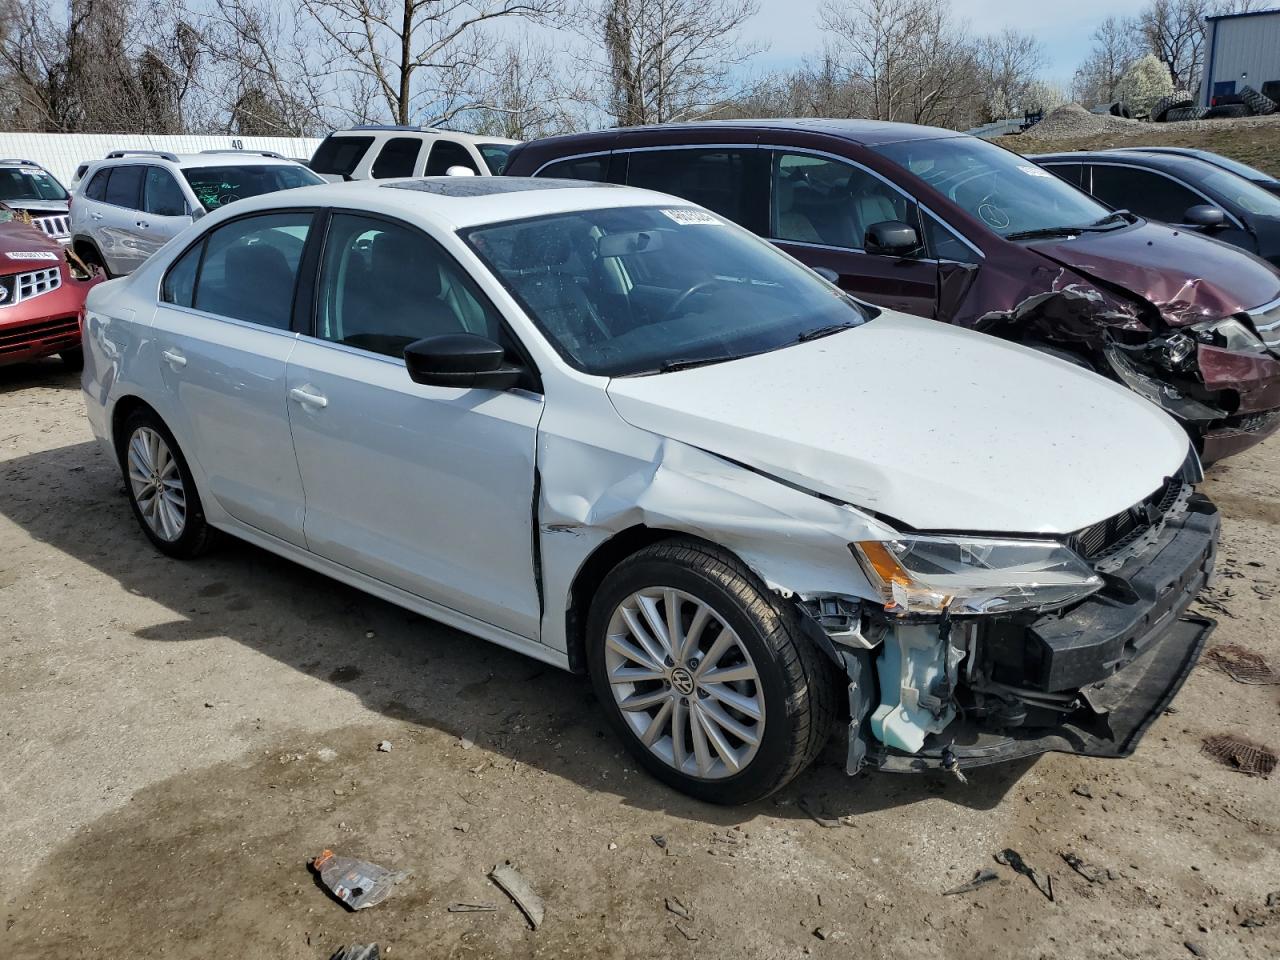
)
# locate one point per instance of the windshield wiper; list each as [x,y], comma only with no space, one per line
[825,331]
[1055,232]
[1122,213]
[688,363]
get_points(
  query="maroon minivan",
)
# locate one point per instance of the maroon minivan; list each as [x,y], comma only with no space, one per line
[944,225]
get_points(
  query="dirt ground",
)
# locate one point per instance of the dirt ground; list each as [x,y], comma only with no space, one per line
[177,740]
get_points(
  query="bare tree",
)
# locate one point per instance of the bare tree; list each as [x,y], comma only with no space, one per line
[665,60]
[1174,32]
[416,57]
[1008,64]
[910,59]
[1117,45]
[521,94]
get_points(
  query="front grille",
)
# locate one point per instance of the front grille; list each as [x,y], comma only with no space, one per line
[18,287]
[58,225]
[1266,320]
[63,332]
[1104,542]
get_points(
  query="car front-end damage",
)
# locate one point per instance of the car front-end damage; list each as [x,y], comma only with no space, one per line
[935,683]
[1195,347]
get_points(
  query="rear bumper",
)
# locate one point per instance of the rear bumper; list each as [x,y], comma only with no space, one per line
[1090,681]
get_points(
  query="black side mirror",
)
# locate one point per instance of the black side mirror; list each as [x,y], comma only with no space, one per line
[460,360]
[827,274]
[891,238]
[1205,215]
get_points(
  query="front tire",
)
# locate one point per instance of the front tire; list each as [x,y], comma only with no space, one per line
[706,675]
[161,489]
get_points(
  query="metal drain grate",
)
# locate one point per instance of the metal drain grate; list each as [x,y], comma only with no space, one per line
[1240,754]
[1243,666]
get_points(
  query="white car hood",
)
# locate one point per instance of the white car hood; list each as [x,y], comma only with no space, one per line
[937,427]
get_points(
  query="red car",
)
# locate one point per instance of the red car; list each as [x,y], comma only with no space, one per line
[41,296]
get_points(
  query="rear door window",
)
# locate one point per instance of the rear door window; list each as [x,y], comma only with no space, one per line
[716,178]
[397,158]
[97,187]
[250,268]
[1144,192]
[125,186]
[445,154]
[339,156]
[595,169]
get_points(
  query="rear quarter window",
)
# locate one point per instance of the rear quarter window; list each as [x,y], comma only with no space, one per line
[339,156]
[595,169]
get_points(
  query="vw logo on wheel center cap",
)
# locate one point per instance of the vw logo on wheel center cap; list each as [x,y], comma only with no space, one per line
[682,680]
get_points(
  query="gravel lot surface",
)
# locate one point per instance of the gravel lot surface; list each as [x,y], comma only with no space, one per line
[177,740]
[1072,122]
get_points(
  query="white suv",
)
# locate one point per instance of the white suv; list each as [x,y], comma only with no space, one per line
[379,152]
[129,205]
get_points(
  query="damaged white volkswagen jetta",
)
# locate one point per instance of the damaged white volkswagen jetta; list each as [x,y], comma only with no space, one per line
[615,432]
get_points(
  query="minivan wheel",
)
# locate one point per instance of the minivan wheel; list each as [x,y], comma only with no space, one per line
[705,674]
[160,487]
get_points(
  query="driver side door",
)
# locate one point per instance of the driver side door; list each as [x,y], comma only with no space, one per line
[427,488]
[820,210]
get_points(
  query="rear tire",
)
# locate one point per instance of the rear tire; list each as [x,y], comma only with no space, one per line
[160,487]
[88,252]
[739,708]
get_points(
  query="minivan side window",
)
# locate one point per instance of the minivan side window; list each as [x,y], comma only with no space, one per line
[445,154]
[397,158]
[125,186]
[830,202]
[250,268]
[595,169]
[97,187]
[716,178]
[161,194]
[384,285]
[1145,193]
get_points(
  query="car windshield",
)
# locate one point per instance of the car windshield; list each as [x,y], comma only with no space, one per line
[215,187]
[1008,193]
[1243,193]
[29,183]
[496,156]
[637,290]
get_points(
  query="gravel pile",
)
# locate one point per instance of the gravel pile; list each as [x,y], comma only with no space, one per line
[1073,121]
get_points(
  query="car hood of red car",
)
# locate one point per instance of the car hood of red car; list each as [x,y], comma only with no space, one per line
[23,248]
[1188,277]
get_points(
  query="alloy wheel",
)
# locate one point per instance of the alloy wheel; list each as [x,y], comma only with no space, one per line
[685,683]
[156,484]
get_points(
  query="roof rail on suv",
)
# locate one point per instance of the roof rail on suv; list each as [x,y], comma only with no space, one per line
[252,153]
[29,163]
[162,154]
[382,126]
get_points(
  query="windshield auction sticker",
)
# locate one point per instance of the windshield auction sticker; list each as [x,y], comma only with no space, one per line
[33,255]
[691,217]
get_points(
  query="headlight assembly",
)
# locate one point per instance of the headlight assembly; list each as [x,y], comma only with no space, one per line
[930,574]
[1228,334]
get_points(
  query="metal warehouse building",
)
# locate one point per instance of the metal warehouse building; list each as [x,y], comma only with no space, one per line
[1241,49]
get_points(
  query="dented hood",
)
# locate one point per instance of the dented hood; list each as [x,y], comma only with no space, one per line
[937,427]
[1189,277]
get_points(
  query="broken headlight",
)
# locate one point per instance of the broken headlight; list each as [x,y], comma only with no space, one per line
[1228,334]
[928,574]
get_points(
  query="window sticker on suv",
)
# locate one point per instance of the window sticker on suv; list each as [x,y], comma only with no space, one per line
[691,217]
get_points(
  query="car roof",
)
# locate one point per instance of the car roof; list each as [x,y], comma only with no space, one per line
[454,203]
[864,132]
[366,129]
[1171,162]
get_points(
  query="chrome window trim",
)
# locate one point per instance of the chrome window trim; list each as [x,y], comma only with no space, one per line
[1159,173]
[235,321]
[572,156]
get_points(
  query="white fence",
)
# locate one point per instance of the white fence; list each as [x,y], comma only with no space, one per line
[61,153]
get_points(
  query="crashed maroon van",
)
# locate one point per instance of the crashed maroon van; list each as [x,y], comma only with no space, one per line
[947,226]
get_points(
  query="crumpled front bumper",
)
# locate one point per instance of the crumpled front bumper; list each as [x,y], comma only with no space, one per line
[1113,662]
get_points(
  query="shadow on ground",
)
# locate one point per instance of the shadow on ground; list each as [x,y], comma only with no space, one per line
[400,664]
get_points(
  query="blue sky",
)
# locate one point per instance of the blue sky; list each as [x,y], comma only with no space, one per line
[790,27]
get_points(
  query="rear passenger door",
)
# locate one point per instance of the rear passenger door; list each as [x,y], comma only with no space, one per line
[223,333]
[426,488]
[119,230]
[820,210]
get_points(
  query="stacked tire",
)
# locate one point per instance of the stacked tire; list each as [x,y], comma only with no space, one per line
[1180,100]
[1227,111]
[1257,102]
[1178,114]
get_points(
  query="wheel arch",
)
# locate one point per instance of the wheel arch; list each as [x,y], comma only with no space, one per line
[124,408]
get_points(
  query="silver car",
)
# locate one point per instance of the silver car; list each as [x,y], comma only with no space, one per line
[616,432]
[129,205]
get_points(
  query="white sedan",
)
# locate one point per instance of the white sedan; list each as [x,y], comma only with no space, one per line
[615,432]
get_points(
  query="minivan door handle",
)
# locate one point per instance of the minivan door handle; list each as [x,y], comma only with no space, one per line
[95,216]
[142,224]
[308,398]
[174,358]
